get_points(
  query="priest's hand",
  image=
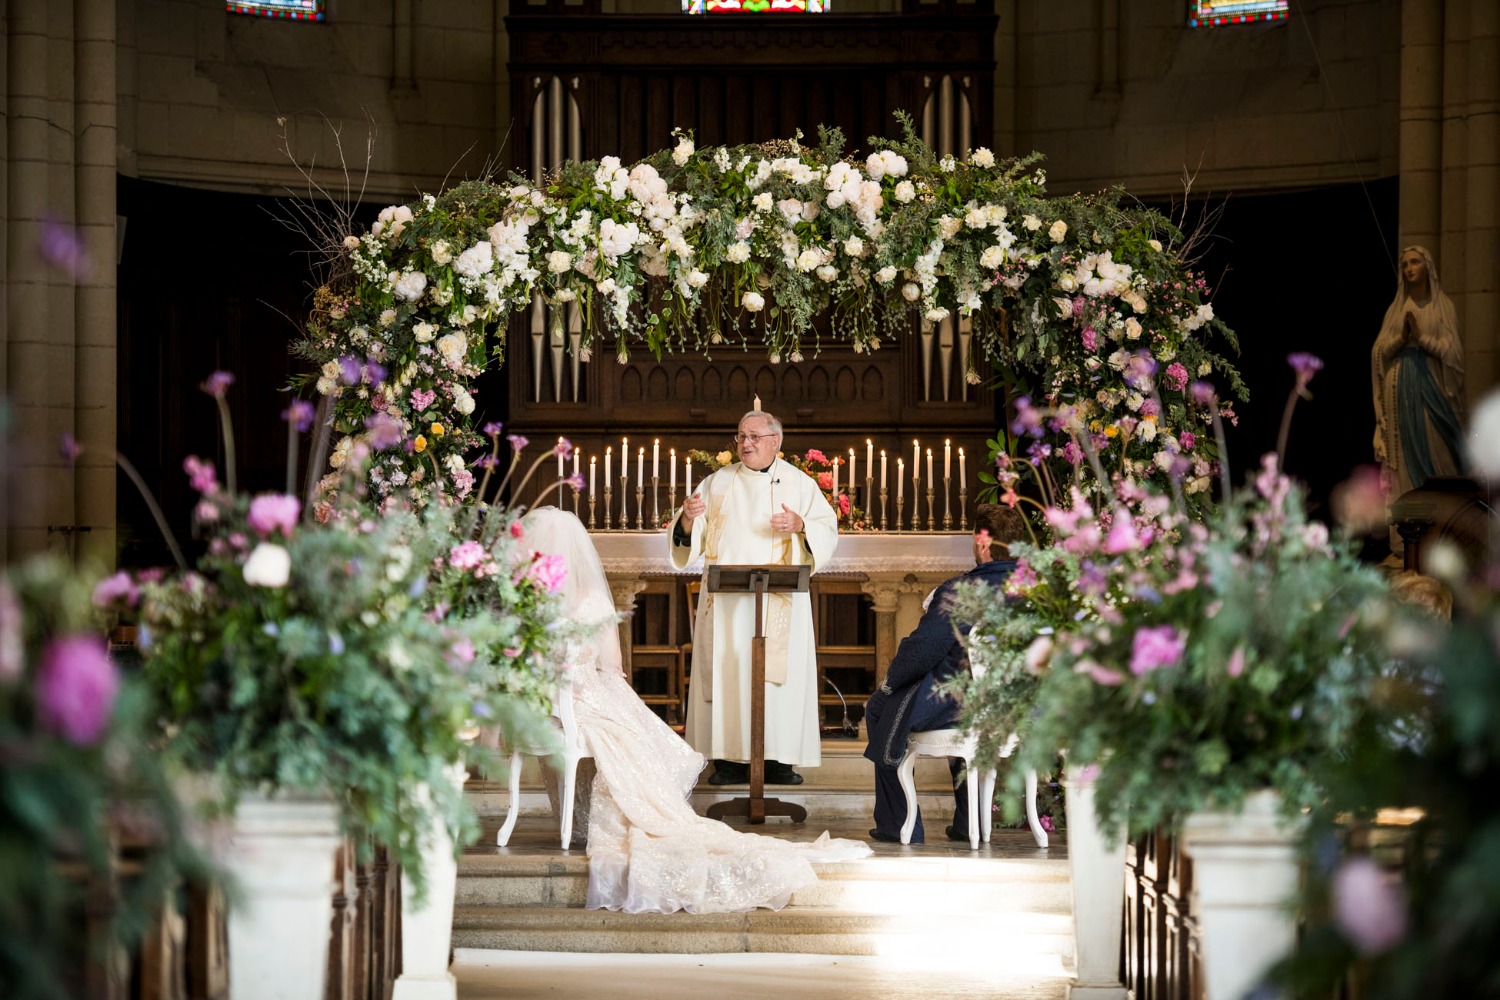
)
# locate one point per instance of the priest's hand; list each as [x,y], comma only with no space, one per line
[692,508]
[787,520]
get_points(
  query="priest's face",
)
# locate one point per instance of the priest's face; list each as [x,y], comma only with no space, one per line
[756,442]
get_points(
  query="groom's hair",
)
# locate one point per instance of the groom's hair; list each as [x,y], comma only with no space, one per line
[1004,525]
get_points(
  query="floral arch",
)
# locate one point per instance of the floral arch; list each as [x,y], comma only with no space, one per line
[1085,302]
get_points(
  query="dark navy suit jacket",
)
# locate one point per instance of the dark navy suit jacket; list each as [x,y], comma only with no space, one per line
[926,658]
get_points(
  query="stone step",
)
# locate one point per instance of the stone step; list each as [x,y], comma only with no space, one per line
[889,886]
[792,930]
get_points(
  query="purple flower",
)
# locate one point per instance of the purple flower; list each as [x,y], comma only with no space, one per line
[1072,452]
[1028,418]
[1039,452]
[200,474]
[76,685]
[1138,371]
[1155,647]
[1367,907]
[517,442]
[1306,366]
[564,448]
[272,512]
[349,370]
[374,372]
[1203,393]
[383,431]
[493,428]
[119,587]
[217,384]
[60,246]
[1187,440]
[69,448]
[575,481]
[299,414]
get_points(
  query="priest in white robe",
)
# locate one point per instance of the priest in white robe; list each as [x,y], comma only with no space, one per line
[762,510]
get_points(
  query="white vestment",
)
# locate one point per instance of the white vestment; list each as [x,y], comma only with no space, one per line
[736,530]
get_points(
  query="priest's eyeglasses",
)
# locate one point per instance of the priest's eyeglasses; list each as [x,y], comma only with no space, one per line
[751,438]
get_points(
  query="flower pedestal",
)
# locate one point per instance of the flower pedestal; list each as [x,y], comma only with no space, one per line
[281,854]
[427,931]
[1245,875]
[1098,874]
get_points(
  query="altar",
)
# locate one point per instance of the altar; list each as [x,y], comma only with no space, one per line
[893,572]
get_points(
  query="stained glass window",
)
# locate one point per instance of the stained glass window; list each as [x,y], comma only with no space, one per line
[285,10]
[755,6]
[1212,13]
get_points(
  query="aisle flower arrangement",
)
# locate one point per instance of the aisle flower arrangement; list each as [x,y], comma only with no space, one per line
[691,249]
[78,780]
[341,653]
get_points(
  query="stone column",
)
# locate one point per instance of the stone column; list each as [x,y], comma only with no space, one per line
[1421,122]
[624,590]
[1480,328]
[1452,249]
[884,595]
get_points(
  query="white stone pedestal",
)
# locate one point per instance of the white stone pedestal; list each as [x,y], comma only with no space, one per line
[281,855]
[427,932]
[1098,870]
[1245,874]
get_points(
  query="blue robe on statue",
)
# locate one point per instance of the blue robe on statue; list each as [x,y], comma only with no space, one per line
[909,703]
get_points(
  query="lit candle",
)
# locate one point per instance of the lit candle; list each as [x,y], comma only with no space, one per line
[882,468]
[577,457]
[900,487]
[559,460]
[869,457]
[672,466]
[688,487]
[624,458]
[947,459]
[655,458]
[916,461]
[960,468]
[930,480]
[592,460]
[609,457]
[835,479]
[640,466]
[853,483]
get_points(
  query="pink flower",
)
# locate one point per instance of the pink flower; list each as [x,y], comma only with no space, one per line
[1046,823]
[825,480]
[11,651]
[1306,366]
[200,474]
[1084,776]
[1177,376]
[1021,579]
[1100,674]
[76,685]
[1187,440]
[421,399]
[1122,535]
[119,587]
[217,384]
[271,512]
[1155,647]
[1090,339]
[843,504]
[516,531]
[815,456]
[547,571]
[1072,453]
[206,511]
[1367,907]
[466,555]
[1359,502]
[1236,664]
[463,650]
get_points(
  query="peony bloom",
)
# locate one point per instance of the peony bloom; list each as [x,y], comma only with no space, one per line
[76,685]
[119,587]
[559,262]
[683,152]
[1058,231]
[905,192]
[271,512]
[466,555]
[410,285]
[981,157]
[549,572]
[1156,647]
[753,301]
[269,565]
[1367,907]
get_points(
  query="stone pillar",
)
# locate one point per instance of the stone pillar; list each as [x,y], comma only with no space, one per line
[884,595]
[1452,248]
[1421,122]
[1480,327]
[624,591]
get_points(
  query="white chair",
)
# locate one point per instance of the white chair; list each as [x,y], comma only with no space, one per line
[574,749]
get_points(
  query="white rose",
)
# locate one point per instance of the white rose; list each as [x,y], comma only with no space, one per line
[936,314]
[827,272]
[410,286]
[441,254]
[854,246]
[423,332]
[992,257]
[453,347]
[982,157]
[683,151]
[808,259]
[763,201]
[905,191]
[1058,231]
[696,278]
[738,252]
[1067,282]
[1147,430]
[1133,328]
[753,302]
[1031,222]
[874,166]
[463,402]
[477,261]
[269,565]
[886,275]
[911,291]
[559,261]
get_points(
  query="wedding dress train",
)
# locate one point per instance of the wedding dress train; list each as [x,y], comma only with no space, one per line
[648,850]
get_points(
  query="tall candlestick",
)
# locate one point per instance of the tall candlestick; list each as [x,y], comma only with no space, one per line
[853,483]
[609,457]
[947,459]
[577,457]
[640,465]
[870,456]
[656,457]
[560,472]
[592,460]
[672,464]
[688,485]
[930,480]
[916,458]
[624,459]
[900,487]
[882,468]
[835,481]
[961,482]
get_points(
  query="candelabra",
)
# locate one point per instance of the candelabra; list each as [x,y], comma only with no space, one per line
[624,502]
[916,500]
[655,502]
[963,506]
[883,494]
[640,505]
[931,507]
[870,500]
[947,508]
[671,501]
[576,501]
[608,501]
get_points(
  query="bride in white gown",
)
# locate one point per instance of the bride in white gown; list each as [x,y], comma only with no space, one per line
[648,850]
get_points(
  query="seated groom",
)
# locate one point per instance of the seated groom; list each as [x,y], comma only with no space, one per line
[908,703]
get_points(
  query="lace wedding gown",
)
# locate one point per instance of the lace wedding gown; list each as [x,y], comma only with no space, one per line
[648,850]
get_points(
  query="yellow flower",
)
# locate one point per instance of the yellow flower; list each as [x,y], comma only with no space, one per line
[420,444]
[724,458]
[437,430]
[1111,431]
[1094,426]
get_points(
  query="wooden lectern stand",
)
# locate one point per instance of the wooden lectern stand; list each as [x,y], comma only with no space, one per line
[759,580]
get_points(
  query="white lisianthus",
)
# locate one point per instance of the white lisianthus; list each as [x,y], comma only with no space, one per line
[911,291]
[738,252]
[1031,222]
[683,151]
[410,286]
[1154,245]
[753,301]
[854,246]
[886,275]
[269,565]
[441,252]
[947,164]
[827,272]
[905,192]
[981,157]
[1058,231]
[992,257]
[423,332]
[559,262]
[1067,282]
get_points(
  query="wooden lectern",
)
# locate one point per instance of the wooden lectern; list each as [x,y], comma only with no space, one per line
[759,580]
